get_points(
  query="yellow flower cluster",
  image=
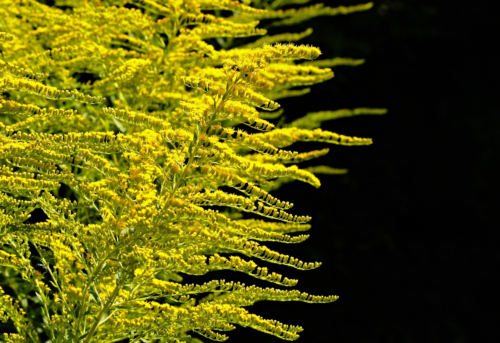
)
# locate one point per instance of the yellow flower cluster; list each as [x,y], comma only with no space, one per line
[122,122]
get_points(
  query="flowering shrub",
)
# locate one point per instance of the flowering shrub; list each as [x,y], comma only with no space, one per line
[122,121]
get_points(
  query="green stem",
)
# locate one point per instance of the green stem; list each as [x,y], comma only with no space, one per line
[97,270]
[194,149]
[54,279]
[46,310]
[103,311]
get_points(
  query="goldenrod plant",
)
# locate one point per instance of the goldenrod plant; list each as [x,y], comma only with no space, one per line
[143,131]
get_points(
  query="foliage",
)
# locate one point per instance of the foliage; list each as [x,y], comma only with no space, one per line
[121,121]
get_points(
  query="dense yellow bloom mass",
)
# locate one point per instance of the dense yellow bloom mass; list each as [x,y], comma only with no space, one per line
[123,121]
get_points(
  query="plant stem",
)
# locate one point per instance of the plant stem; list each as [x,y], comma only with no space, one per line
[103,311]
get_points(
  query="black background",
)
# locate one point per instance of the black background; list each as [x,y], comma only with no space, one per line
[407,237]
